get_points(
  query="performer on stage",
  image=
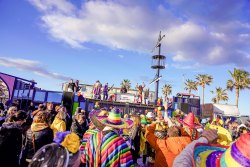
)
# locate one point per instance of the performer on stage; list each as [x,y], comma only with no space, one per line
[97,90]
[140,90]
[105,91]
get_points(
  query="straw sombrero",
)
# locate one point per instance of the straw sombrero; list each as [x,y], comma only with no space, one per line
[114,120]
[210,155]
[189,121]
[224,136]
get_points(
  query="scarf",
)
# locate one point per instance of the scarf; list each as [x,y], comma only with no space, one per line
[38,126]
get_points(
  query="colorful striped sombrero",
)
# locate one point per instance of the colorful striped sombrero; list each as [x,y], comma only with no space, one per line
[114,120]
[237,155]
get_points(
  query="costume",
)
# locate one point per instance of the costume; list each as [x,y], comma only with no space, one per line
[189,126]
[58,125]
[237,155]
[85,138]
[97,90]
[107,148]
[166,149]
[105,92]
[140,91]
[146,96]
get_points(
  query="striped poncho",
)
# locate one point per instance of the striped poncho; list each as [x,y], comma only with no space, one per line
[107,150]
[85,138]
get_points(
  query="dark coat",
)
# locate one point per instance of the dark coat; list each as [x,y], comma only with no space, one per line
[34,140]
[10,145]
[51,116]
[78,129]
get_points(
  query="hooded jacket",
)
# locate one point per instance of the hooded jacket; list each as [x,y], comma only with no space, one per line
[58,125]
[37,136]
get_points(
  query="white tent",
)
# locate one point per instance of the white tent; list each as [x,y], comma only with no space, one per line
[226,110]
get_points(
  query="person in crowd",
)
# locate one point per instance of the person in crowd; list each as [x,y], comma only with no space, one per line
[63,153]
[51,112]
[11,111]
[234,127]
[59,123]
[218,121]
[2,108]
[77,111]
[94,127]
[31,107]
[68,119]
[144,145]
[167,143]
[11,142]
[184,159]
[11,135]
[2,113]
[86,114]
[16,103]
[40,108]
[99,146]
[241,129]
[71,86]
[203,152]
[189,126]
[37,136]
[79,125]
[23,120]
[134,135]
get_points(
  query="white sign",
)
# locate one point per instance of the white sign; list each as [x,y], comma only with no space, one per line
[127,98]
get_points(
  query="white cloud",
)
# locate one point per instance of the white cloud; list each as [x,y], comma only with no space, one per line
[209,36]
[120,56]
[32,66]
[61,6]
[185,67]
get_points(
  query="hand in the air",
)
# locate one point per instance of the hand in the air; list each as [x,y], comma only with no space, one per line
[211,135]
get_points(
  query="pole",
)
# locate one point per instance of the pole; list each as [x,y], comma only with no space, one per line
[157,75]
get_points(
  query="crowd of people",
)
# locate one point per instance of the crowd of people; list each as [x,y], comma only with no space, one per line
[51,136]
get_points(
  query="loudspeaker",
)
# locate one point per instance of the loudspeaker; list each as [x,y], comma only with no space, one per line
[68,100]
[185,107]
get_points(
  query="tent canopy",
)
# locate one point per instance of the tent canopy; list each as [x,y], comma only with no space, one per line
[226,110]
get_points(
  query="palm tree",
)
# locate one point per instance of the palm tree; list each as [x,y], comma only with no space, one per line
[202,80]
[125,85]
[240,80]
[166,90]
[190,85]
[220,95]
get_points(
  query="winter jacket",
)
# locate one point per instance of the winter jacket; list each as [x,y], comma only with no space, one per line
[166,149]
[51,116]
[10,145]
[78,129]
[37,136]
[58,125]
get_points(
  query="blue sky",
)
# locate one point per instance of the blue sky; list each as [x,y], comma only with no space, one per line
[52,41]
